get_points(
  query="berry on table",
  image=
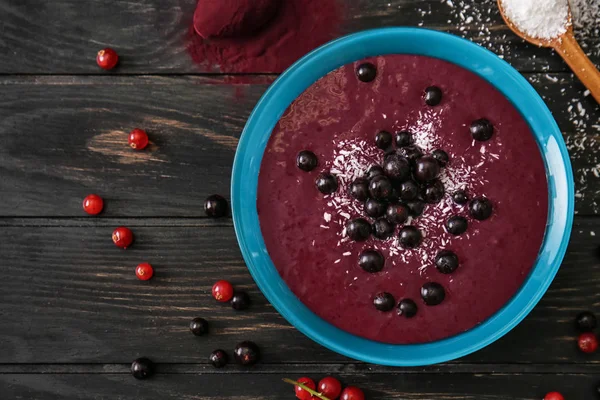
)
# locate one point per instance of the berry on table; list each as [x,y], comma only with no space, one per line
[330,387]
[588,342]
[456,225]
[199,326]
[215,206]
[409,190]
[352,393]
[107,58]
[403,139]
[480,208]
[380,187]
[359,189]
[306,160]
[460,197]
[93,204]
[301,393]
[383,229]
[222,291]
[138,139]
[218,358]
[410,237]
[586,321]
[446,261]
[144,271]
[426,169]
[142,368]
[366,72]
[554,396]
[375,208]
[396,167]
[434,192]
[397,213]
[122,237]
[246,353]
[240,301]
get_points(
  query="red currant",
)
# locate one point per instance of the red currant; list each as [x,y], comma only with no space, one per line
[352,393]
[107,58]
[588,343]
[330,387]
[123,237]
[138,139]
[144,271]
[93,204]
[554,396]
[301,393]
[222,291]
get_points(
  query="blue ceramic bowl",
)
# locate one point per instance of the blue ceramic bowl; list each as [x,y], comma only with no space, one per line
[401,41]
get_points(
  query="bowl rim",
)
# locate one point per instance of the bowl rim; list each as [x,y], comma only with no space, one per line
[418,41]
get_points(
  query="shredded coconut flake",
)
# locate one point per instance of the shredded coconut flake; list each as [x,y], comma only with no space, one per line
[543,19]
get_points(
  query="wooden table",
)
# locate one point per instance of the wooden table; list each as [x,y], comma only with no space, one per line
[72,313]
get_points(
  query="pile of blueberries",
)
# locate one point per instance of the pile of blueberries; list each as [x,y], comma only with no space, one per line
[400,187]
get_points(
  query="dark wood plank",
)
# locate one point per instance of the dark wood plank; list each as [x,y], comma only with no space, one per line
[70,296]
[269,386]
[63,36]
[64,137]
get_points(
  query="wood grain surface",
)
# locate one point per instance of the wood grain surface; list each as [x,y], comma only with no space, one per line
[72,314]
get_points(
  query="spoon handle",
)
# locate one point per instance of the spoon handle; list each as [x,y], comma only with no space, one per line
[586,71]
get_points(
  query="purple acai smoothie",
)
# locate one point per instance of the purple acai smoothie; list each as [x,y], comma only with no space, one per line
[492,157]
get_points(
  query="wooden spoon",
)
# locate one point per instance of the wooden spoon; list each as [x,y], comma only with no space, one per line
[566,45]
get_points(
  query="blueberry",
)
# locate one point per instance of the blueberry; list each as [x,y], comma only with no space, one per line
[383,229]
[218,358]
[480,208]
[326,183]
[375,208]
[394,197]
[433,192]
[246,353]
[409,190]
[482,130]
[359,189]
[446,262]
[240,301]
[426,169]
[371,261]
[411,153]
[407,308]
[433,96]
[306,160]
[397,213]
[215,206]
[199,326]
[366,72]
[410,237]
[383,140]
[397,168]
[433,293]
[142,368]
[456,225]
[441,157]
[373,171]
[380,187]
[415,208]
[460,197]
[358,229]
[384,301]
[403,139]
[586,321]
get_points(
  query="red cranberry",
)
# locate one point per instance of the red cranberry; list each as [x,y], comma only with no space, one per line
[588,343]
[107,58]
[554,396]
[138,139]
[301,393]
[123,237]
[330,387]
[352,393]
[93,204]
[144,271]
[222,291]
